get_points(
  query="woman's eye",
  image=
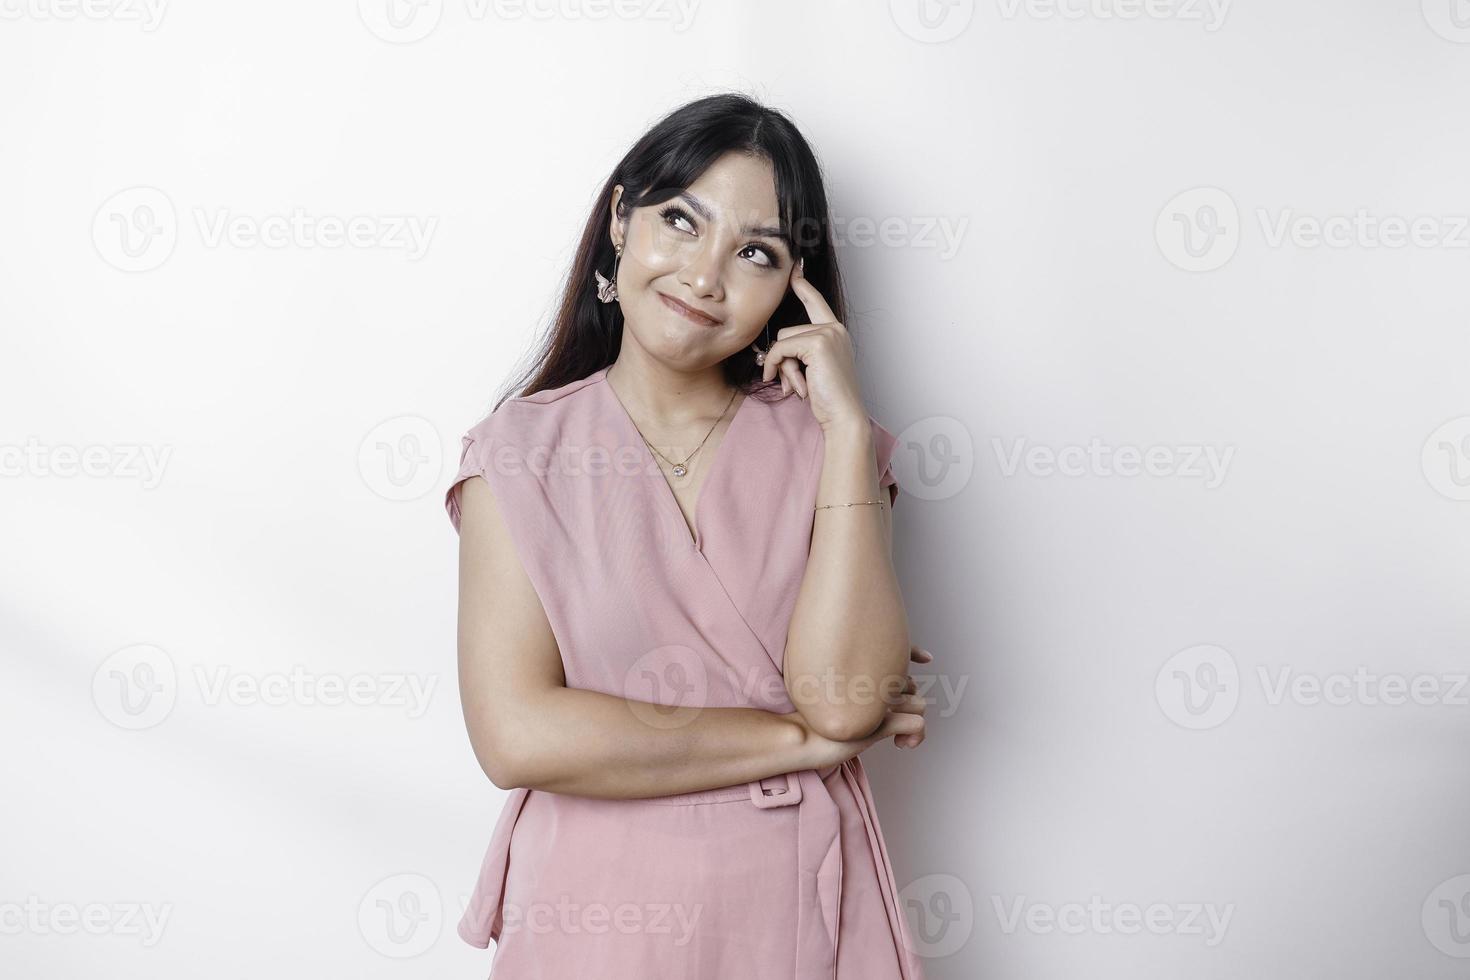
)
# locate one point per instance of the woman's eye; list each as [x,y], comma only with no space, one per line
[767,259]
[672,215]
[759,254]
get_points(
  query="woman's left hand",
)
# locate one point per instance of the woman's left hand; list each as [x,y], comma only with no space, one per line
[917,655]
[816,360]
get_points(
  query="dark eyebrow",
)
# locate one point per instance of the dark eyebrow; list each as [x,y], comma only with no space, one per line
[759,231]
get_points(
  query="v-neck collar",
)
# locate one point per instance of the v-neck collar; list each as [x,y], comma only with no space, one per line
[694,537]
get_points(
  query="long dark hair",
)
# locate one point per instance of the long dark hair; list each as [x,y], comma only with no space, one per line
[587,333]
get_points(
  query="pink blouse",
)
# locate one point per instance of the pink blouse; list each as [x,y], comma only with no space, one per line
[781,877]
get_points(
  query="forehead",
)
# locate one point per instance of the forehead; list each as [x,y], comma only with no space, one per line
[739,187]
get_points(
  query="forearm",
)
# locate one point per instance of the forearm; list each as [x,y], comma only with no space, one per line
[585,743]
[848,639]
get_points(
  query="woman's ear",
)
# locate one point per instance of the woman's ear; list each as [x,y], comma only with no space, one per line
[617,220]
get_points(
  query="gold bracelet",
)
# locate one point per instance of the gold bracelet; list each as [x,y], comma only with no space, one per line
[855,503]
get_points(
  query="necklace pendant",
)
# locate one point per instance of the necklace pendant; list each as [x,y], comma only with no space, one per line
[679,469]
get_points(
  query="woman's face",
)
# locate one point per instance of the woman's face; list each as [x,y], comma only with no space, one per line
[715,247]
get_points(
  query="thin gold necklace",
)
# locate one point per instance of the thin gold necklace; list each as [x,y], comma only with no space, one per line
[682,468]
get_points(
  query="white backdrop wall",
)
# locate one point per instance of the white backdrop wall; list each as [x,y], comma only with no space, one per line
[1166,299]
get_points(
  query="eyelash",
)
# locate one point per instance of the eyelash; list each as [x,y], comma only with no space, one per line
[674,211]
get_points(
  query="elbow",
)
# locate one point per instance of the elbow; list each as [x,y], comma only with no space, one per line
[511,742]
[500,770]
[500,773]
[845,723]
[848,714]
[498,760]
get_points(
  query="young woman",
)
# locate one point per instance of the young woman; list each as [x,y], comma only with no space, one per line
[679,622]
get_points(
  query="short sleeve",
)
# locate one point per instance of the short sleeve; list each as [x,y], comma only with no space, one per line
[885,443]
[469,465]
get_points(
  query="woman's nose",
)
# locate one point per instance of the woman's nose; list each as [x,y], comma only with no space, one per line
[702,274]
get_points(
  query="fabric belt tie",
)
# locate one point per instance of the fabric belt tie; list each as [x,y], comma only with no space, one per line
[819,864]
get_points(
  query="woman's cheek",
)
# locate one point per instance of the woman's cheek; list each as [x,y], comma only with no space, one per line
[659,247]
[754,305]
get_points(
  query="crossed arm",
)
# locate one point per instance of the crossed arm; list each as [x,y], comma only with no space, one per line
[847,648]
[527,728]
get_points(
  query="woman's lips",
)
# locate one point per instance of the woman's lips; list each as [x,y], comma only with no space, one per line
[692,315]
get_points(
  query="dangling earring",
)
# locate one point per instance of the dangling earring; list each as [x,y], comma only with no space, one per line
[760,355]
[607,289]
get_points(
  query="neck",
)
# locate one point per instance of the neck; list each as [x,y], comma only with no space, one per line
[666,396]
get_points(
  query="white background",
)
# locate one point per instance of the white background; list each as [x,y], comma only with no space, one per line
[1075,611]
